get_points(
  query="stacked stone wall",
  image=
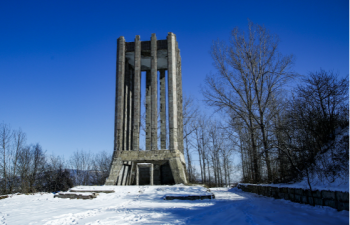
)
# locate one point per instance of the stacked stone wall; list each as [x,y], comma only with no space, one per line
[334,199]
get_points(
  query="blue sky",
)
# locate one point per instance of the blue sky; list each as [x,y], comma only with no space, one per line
[57,58]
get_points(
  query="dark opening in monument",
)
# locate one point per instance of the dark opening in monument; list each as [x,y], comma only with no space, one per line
[145,177]
[166,174]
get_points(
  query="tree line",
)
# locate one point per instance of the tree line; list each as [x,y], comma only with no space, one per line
[209,147]
[28,168]
[282,121]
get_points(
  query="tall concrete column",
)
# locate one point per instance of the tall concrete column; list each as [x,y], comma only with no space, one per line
[154,93]
[125,174]
[137,95]
[172,99]
[119,100]
[148,110]
[121,172]
[151,174]
[137,175]
[131,111]
[126,107]
[179,101]
[162,110]
[132,173]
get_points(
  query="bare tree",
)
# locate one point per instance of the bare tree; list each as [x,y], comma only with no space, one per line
[5,145]
[324,100]
[19,141]
[55,177]
[24,168]
[31,165]
[100,167]
[37,167]
[315,116]
[190,114]
[81,164]
[250,73]
[201,137]
[215,147]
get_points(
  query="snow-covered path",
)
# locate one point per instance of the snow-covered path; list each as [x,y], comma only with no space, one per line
[145,205]
[237,207]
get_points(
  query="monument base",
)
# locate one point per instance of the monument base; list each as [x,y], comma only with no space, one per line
[164,166]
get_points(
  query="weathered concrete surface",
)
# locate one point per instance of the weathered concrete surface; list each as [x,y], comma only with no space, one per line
[137,175]
[150,56]
[148,112]
[137,94]
[154,93]
[117,165]
[179,101]
[119,100]
[127,106]
[172,99]
[178,170]
[162,109]
[155,155]
[175,158]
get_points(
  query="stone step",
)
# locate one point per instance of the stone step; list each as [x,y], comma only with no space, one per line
[93,191]
[189,197]
[76,195]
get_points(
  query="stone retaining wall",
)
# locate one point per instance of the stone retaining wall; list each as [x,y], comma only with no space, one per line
[335,199]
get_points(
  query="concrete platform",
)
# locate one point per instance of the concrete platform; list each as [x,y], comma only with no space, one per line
[76,195]
[189,197]
[92,190]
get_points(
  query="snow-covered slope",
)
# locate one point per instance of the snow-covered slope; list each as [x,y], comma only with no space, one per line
[331,168]
[145,205]
[338,184]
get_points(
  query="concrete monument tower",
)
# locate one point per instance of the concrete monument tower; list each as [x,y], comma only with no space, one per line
[158,59]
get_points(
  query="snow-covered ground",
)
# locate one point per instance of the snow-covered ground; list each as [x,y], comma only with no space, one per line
[145,205]
[339,184]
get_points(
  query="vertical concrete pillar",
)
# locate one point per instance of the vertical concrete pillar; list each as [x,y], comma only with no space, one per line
[137,175]
[172,99]
[162,109]
[126,107]
[132,174]
[131,111]
[148,110]
[154,93]
[179,102]
[125,174]
[119,100]
[114,171]
[120,175]
[137,95]
[151,174]
[178,170]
